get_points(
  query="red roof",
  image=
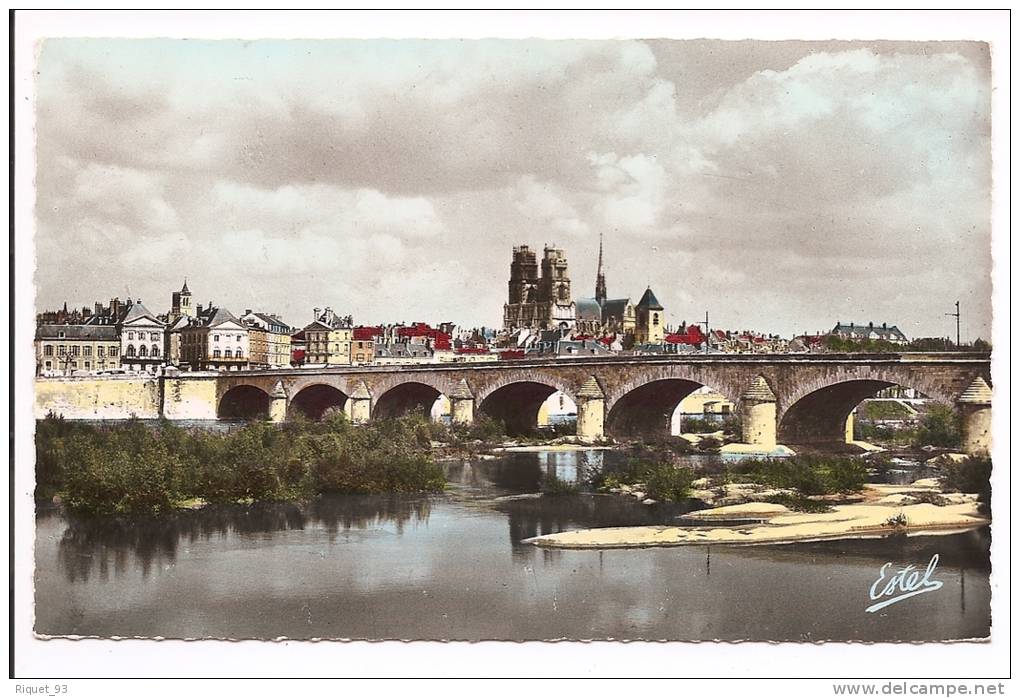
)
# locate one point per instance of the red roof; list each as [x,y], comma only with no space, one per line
[692,335]
[440,340]
[511,354]
[364,334]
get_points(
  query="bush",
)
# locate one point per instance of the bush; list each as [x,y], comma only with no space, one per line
[699,425]
[808,475]
[972,475]
[798,502]
[940,427]
[662,480]
[554,486]
[132,468]
[669,483]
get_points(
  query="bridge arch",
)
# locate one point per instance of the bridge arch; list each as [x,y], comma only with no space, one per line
[405,398]
[517,403]
[243,402]
[318,400]
[646,403]
[816,411]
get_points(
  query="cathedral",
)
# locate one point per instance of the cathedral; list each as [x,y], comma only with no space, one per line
[539,302]
[543,302]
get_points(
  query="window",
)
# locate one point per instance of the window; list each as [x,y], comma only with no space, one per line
[61,334]
[49,365]
[88,351]
[238,338]
[100,352]
[88,365]
[113,351]
[153,336]
[61,350]
[228,354]
[74,364]
[655,319]
[216,338]
[216,353]
[131,335]
[48,350]
[155,351]
[142,351]
[130,350]
[76,350]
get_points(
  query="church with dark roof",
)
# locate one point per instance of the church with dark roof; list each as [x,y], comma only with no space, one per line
[619,318]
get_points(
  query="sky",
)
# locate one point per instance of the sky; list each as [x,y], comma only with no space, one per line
[779,186]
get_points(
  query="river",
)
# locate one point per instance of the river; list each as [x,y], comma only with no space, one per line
[452,566]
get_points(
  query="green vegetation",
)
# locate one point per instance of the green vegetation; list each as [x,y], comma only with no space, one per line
[808,475]
[554,486]
[885,434]
[925,344]
[133,469]
[698,425]
[661,479]
[940,427]
[799,502]
[972,475]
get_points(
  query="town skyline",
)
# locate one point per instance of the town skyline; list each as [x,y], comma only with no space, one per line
[373,188]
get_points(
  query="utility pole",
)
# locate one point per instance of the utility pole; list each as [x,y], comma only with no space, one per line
[957,316]
[705,323]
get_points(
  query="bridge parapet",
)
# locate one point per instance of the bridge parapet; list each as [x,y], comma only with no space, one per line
[814,393]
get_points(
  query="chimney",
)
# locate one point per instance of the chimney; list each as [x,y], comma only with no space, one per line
[883,326]
[316,311]
[871,325]
[247,311]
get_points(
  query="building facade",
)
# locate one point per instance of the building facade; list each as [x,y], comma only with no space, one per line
[871,331]
[64,349]
[328,339]
[215,340]
[142,339]
[268,339]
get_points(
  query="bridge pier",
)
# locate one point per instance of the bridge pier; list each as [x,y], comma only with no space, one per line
[591,411]
[975,406]
[758,406]
[462,404]
[278,404]
[360,404]
[848,429]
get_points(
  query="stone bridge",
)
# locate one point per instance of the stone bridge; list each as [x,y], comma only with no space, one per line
[792,398]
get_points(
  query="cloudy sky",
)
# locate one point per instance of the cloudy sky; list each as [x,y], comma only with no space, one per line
[779,186]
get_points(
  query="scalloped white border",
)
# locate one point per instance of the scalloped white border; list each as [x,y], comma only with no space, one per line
[128,657]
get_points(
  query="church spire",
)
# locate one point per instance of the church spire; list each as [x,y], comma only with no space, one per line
[600,279]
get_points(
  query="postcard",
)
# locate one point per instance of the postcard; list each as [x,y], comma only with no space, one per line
[512,339]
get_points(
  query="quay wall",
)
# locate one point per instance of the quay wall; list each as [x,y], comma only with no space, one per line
[109,397]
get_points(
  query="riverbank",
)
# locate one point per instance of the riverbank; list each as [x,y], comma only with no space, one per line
[883,510]
[136,469]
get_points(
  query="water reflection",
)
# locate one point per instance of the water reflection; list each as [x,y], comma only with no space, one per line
[91,545]
[453,566]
